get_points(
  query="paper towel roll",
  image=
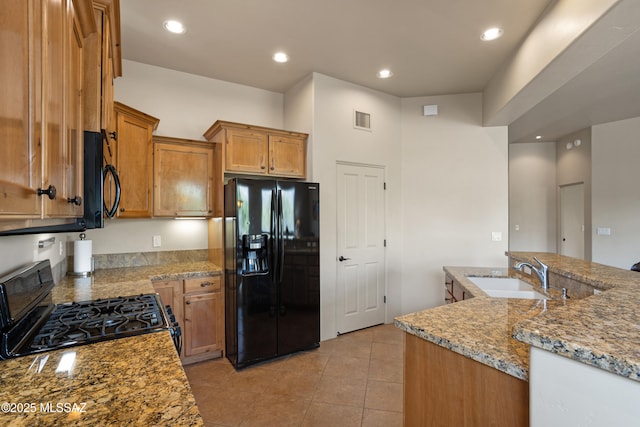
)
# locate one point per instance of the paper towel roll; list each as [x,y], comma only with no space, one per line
[82,253]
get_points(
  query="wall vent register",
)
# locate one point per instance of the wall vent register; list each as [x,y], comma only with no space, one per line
[361,120]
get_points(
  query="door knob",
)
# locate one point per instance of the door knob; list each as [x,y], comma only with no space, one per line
[342,258]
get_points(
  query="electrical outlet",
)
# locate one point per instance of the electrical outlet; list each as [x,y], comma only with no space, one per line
[157,241]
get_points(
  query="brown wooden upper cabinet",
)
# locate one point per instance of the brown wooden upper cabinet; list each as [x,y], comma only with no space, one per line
[41,127]
[102,64]
[134,160]
[258,150]
[184,178]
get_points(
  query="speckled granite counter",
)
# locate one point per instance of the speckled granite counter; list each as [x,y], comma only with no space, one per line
[600,330]
[127,280]
[479,328]
[129,381]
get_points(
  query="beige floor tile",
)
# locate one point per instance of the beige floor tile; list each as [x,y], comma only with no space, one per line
[272,410]
[354,379]
[384,396]
[227,409]
[341,391]
[325,415]
[207,371]
[346,367]
[375,418]
[385,370]
[361,350]
[298,384]
[385,351]
[388,334]
[308,361]
[252,379]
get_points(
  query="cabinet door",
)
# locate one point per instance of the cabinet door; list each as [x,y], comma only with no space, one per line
[20,154]
[246,151]
[134,165]
[203,328]
[62,87]
[73,189]
[183,178]
[53,107]
[286,156]
[170,292]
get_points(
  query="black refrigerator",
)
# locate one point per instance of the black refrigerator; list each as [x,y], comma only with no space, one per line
[272,268]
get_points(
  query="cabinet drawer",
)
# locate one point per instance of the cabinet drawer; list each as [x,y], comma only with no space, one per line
[202,284]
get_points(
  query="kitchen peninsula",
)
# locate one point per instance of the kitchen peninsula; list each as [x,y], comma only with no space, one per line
[470,345]
[129,381]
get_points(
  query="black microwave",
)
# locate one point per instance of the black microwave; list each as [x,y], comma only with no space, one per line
[93,201]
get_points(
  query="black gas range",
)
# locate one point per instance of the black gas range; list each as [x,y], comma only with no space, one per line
[31,323]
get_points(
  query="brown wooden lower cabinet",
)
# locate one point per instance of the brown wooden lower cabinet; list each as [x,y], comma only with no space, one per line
[198,305]
[444,388]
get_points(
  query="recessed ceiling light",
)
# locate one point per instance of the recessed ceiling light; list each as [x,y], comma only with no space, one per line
[539,137]
[492,34]
[384,74]
[280,57]
[175,27]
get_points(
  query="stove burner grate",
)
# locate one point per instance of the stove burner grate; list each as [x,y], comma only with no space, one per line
[82,322]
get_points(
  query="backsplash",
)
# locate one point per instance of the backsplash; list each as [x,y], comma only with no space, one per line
[141,259]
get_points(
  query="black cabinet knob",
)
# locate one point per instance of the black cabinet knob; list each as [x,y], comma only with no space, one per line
[75,200]
[49,192]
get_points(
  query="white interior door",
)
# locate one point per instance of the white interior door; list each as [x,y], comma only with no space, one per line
[572,220]
[360,247]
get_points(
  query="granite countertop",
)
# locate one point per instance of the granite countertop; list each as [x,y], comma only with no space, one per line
[479,328]
[128,381]
[600,330]
[127,280]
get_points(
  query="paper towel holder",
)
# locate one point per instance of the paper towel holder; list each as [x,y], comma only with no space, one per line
[82,236]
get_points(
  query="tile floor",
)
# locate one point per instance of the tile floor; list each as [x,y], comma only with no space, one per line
[352,380]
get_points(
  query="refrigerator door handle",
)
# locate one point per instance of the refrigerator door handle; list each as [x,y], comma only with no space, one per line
[280,238]
[274,244]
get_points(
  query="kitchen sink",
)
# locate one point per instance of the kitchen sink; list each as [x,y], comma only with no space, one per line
[506,287]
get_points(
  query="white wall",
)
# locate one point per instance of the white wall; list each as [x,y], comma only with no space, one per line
[573,167]
[16,251]
[298,114]
[615,151]
[187,105]
[532,197]
[136,235]
[568,393]
[454,190]
[335,139]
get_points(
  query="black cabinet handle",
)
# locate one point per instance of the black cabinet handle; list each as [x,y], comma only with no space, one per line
[49,192]
[76,200]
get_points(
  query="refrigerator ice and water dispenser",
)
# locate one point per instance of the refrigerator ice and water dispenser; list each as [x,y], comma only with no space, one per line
[254,248]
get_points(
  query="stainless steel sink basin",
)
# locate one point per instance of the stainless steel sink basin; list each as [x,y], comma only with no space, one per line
[506,287]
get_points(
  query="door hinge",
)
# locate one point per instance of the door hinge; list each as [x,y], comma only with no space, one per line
[385,299]
[385,243]
[384,185]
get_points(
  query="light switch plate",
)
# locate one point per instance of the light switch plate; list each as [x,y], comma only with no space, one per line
[157,241]
[496,236]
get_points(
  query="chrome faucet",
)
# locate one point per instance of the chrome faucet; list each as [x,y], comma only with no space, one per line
[542,271]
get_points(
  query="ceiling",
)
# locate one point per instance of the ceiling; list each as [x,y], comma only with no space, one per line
[433,47]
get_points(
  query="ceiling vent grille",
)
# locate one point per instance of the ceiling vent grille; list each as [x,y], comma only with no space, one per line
[361,120]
